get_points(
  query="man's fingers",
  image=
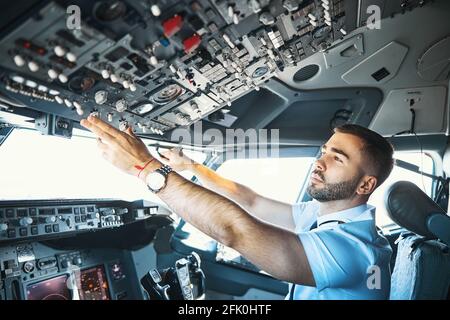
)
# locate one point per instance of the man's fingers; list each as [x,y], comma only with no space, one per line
[106,137]
[130,132]
[120,136]
[166,154]
[109,134]
[104,126]
[178,151]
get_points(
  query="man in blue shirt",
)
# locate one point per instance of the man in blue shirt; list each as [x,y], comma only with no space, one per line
[327,248]
[348,258]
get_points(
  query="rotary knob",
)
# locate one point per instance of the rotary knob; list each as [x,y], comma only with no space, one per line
[114,78]
[121,105]
[63,78]
[77,261]
[126,84]
[68,103]
[59,51]
[156,11]
[105,73]
[153,61]
[66,264]
[52,74]
[19,60]
[71,57]
[49,219]
[59,100]
[25,221]
[33,66]
[28,267]
[100,97]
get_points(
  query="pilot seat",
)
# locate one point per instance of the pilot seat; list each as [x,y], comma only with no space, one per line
[422,265]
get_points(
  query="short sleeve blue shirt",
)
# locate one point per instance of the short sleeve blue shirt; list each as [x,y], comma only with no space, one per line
[349,259]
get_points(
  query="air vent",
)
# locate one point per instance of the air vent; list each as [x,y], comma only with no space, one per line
[380,74]
[306,73]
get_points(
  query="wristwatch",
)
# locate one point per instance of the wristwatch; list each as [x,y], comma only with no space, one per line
[157,179]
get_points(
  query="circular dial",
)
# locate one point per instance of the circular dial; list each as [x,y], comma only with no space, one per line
[168,94]
[109,11]
[156,180]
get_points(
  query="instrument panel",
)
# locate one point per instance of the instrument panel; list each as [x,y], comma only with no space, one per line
[33,271]
[24,220]
[159,65]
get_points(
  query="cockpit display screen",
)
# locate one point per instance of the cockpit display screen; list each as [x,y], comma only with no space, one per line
[93,284]
[51,289]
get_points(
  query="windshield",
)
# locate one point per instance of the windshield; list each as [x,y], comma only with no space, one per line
[34,166]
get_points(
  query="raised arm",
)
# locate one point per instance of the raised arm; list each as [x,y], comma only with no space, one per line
[263,208]
[273,249]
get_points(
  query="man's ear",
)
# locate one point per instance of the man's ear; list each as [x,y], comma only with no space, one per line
[367,185]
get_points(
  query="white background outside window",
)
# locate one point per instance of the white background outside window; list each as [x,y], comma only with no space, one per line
[34,166]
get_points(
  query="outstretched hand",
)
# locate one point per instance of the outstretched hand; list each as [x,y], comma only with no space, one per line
[177,159]
[123,149]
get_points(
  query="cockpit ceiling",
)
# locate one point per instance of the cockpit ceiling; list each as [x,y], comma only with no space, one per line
[290,65]
[408,58]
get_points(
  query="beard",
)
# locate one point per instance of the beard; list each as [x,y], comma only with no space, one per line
[333,191]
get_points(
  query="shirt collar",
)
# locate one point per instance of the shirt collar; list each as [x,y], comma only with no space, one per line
[347,215]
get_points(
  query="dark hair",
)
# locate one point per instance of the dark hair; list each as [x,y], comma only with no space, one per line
[377,150]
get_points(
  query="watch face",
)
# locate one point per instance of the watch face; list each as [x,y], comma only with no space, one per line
[156,180]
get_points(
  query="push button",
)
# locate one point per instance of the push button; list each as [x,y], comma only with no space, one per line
[11,233]
[9,213]
[34,230]
[23,232]
[22,213]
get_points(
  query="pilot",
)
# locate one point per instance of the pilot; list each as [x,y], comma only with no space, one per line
[327,248]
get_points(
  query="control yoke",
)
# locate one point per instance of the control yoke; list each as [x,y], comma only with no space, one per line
[185,281]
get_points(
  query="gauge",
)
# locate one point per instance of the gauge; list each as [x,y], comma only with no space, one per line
[143,108]
[109,11]
[116,271]
[259,72]
[167,94]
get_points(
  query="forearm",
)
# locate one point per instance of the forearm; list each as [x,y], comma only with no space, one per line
[229,224]
[209,212]
[234,191]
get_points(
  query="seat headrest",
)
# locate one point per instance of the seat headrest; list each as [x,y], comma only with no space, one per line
[409,207]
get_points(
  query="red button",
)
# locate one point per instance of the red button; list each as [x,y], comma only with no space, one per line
[172,25]
[191,43]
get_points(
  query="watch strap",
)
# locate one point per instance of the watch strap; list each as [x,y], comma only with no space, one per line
[165,170]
